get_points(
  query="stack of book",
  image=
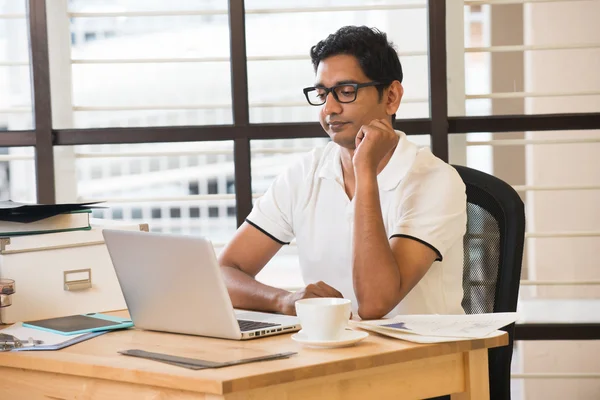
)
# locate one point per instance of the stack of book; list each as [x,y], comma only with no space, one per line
[29,219]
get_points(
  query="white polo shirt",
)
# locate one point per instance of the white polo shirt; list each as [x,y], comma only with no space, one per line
[421,196]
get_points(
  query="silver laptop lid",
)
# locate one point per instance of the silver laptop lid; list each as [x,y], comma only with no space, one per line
[172,283]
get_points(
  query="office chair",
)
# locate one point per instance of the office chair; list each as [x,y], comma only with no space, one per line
[493,254]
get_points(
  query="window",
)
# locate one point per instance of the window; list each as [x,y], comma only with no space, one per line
[531,70]
[155,164]
[213,212]
[17,174]
[158,191]
[15,78]
[116,169]
[193,188]
[193,160]
[117,213]
[173,162]
[230,185]
[89,36]
[213,187]
[194,85]
[135,167]
[136,213]
[156,213]
[277,72]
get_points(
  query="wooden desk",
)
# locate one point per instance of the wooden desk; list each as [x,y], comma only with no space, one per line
[376,368]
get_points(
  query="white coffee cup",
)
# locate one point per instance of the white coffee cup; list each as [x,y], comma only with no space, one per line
[323,318]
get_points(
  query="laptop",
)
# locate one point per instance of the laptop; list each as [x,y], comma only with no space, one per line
[173,283]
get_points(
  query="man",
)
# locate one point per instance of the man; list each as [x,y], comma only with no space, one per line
[376,219]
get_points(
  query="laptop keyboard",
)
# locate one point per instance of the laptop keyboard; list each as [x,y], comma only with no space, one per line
[246,326]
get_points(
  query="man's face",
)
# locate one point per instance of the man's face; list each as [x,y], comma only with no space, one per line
[342,121]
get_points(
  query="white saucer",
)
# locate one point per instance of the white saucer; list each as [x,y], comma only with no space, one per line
[348,338]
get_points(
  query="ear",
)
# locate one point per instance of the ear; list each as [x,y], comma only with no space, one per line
[393,97]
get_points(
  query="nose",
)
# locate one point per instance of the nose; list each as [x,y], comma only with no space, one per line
[331,106]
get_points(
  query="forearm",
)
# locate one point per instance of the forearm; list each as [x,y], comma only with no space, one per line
[247,293]
[375,273]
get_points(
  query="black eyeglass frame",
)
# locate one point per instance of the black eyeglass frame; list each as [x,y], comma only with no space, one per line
[328,90]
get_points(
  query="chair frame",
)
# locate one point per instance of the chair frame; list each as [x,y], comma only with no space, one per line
[484,189]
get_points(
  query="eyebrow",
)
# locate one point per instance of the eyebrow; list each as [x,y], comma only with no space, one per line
[320,85]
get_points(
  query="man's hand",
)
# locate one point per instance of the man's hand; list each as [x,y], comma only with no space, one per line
[373,142]
[319,289]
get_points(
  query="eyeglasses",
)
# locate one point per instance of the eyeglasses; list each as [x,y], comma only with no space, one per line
[344,93]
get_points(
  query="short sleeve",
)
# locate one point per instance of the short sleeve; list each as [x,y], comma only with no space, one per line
[433,209]
[272,213]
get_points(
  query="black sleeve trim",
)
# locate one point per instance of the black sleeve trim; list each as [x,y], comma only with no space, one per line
[439,255]
[265,232]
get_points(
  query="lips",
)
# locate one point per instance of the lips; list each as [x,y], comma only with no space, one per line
[335,125]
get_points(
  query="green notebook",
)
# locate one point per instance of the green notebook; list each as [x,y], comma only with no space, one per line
[69,221]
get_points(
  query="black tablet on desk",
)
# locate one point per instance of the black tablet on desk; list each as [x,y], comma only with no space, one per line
[78,324]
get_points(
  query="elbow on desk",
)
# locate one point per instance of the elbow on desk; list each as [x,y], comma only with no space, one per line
[376,304]
[372,311]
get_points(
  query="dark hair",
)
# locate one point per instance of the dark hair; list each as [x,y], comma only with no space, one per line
[376,56]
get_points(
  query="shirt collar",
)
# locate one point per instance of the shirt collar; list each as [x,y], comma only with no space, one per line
[399,164]
[332,166]
[388,179]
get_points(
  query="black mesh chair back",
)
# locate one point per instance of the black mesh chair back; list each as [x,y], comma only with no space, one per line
[493,254]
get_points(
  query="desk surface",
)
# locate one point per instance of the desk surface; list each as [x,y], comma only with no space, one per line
[98,358]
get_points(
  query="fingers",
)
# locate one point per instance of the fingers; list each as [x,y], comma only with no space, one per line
[386,122]
[333,291]
[314,290]
[321,289]
[364,131]
[376,127]
[359,137]
[370,127]
[382,124]
[361,133]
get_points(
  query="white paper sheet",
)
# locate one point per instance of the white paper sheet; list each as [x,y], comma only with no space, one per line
[449,326]
[411,337]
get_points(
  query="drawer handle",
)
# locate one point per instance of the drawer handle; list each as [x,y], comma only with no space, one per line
[77,284]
